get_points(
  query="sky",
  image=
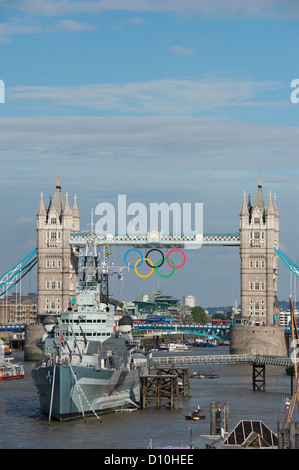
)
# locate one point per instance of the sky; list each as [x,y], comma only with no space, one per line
[163,101]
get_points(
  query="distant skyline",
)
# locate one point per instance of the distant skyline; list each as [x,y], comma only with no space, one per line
[160,100]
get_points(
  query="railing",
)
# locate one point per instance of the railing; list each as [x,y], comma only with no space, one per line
[144,240]
[222,359]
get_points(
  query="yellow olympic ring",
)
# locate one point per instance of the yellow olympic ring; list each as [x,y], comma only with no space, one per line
[147,275]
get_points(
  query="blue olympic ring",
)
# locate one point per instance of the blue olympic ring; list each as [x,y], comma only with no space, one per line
[125,257]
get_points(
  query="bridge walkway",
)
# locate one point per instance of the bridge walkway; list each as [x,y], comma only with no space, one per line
[225,359]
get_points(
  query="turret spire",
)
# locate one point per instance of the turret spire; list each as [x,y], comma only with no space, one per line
[58,186]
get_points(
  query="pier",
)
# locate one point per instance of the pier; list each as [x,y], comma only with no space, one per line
[258,362]
[160,391]
[221,359]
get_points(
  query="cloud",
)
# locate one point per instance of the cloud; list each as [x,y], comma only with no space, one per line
[16,26]
[73,26]
[209,147]
[182,50]
[160,97]
[132,21]
[255,9]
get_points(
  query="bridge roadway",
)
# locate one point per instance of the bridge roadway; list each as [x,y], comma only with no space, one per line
[258,359]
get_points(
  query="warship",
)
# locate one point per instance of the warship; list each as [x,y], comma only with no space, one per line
[89,366]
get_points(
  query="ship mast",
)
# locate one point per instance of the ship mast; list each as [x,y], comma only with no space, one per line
[295,342]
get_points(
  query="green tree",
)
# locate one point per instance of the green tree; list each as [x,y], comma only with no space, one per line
[199,315]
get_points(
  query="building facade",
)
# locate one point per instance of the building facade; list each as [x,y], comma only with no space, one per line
[259,234]
[189,301]
[57,260]
[18,309]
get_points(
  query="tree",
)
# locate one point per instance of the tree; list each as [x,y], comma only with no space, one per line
[199,315]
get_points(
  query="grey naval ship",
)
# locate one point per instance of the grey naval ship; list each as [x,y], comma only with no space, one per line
[88,366]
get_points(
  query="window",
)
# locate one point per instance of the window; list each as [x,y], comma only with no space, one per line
[256,264]
[53,220]
[47,285]
[47,263]
[263,264]
[256,235]
[59,264]
[53,285]
[257,286]
[53,264]
[53,235]
[256,306]
[58,285]
[250,264]
[256,220]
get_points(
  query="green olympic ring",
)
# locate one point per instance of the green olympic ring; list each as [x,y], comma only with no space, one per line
[173,269]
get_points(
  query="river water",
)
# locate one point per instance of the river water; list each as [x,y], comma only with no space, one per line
[23,426]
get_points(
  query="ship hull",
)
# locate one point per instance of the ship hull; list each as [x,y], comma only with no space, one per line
[99,390]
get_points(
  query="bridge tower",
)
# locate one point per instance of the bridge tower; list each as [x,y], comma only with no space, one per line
[259,234]
[57,260]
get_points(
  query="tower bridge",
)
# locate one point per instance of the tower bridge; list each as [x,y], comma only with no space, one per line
[59,240]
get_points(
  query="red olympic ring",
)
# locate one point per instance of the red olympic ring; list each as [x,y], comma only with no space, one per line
[176,267]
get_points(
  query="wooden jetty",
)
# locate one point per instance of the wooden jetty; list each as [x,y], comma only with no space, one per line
[183,378]
[160,391]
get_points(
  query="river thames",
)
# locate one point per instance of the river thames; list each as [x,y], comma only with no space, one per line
[23,426]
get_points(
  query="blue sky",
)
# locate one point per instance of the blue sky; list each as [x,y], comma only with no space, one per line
[160,100]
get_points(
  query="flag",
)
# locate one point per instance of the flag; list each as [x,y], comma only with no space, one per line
[61,340]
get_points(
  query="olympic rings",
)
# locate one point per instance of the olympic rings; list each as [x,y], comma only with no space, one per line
[147,275]
[158,264]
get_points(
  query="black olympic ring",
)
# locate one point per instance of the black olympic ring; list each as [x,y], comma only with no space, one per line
[161,261]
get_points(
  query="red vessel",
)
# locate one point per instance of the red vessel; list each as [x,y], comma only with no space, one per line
[9,371]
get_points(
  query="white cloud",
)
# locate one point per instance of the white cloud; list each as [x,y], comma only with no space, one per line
[260,9]
[160,97]
[133,21]
[73,26]
[182,50]
[205,144]
[16,26]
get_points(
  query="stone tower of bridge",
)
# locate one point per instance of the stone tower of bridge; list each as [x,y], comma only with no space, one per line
[57,260]
[259,234]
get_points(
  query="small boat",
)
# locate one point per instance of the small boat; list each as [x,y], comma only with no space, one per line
[5,349]
[212,375]
[194,375]
[178,347]
[196,415]
[9,371]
